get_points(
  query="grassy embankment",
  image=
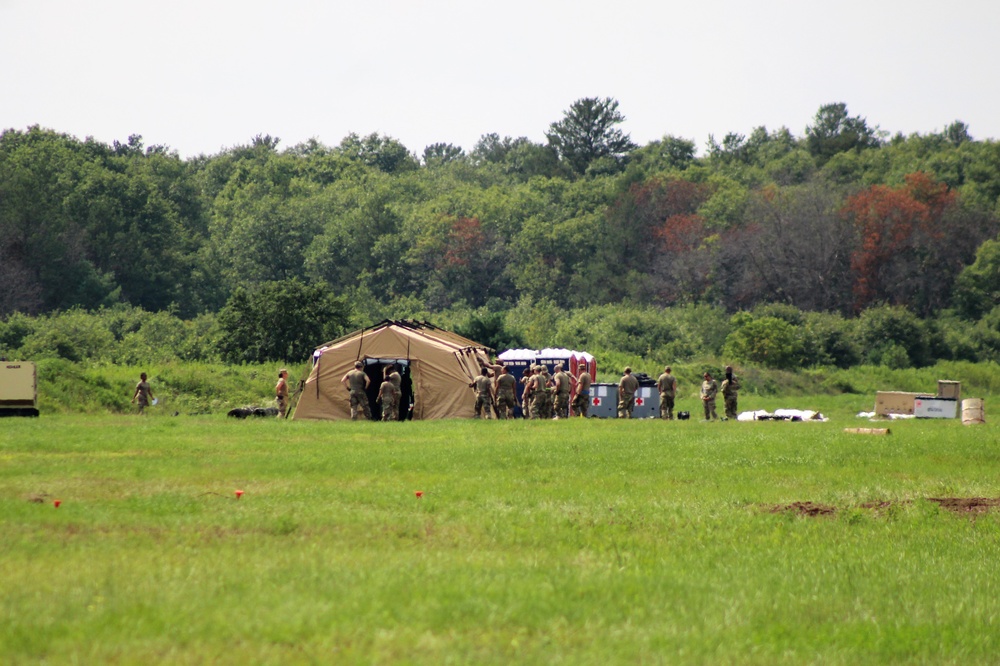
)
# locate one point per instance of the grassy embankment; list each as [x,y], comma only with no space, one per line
[543,542]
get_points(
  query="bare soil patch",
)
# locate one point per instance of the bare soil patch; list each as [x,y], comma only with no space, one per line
[967,504]
[961,505]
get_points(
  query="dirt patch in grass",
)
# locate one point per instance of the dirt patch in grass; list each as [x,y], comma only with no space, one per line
[966,504]
[960,505]
[804,509]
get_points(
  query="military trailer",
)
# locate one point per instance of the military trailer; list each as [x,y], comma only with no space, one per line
[18,388]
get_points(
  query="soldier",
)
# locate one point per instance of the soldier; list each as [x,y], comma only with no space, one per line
[494,372]
[730,391]
[546,393]
[581,398]
[709,389]
[143,393]
[506,388]
[527,379]
[484,394]
[561,386]
[666,384]
[386,396]
[627,386]
[538,393]
[281,393]
[397,384]
[356,382]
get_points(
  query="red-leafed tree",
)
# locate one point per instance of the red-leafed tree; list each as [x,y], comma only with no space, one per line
[912,242]
[465,262]
[652,221]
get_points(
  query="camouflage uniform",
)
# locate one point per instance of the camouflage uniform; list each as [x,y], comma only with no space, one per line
[484,396]
[538,396]
[356,385]
[547,394]
[397,384]
[730,391]
[506,395]
[281,393]
[666,384]
[581,403]
[709,390]
[387,396]
[627,387]
[526,379]
[562,386]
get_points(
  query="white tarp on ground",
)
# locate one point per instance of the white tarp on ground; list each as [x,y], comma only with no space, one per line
[873,416]
[782,415]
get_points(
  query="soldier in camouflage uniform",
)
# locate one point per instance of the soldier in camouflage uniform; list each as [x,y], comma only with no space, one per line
[547,394]
[709,390]
[484,394]
[397,384]
[730,392]
[281,393]
[386,396]
[627,387]
[581,399]
[666,384]
[506,388]
[526,381]
[356,382]
[561,387]
[538,393]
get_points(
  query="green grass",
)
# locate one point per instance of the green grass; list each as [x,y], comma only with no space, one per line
[545,542]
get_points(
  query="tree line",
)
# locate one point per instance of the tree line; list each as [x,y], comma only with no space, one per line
[836,221]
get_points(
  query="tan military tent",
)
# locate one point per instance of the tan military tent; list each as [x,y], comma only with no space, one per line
[437,366]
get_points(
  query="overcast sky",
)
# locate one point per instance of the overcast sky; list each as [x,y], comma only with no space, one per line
[203,75]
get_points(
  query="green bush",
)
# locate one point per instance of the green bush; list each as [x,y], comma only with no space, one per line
[767,341]
[74,335]
[894,336]
[13,331]
[829,339]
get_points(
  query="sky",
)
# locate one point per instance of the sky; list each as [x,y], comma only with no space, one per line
[201,76]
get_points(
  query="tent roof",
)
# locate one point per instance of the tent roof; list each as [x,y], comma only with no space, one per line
[422,328]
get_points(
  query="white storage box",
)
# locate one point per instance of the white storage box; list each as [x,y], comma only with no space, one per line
[928,407]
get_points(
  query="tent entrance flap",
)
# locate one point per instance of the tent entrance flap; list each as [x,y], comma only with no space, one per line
[375,369]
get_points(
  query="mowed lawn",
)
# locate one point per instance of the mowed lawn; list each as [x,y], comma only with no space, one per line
[583,542]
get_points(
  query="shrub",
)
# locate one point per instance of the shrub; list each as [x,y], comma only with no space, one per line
[829,339]
[893,336]
[73,335]
[767,341]
[279,321]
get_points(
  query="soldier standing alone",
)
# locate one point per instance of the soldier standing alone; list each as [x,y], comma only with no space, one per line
[143,393]
[627,386]
[281,393]
[666,384]
[730,392]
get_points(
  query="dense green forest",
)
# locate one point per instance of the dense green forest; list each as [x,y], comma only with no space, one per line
[839,246]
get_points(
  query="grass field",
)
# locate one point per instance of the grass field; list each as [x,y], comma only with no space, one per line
[542,543]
